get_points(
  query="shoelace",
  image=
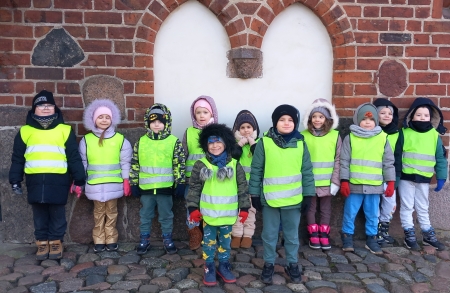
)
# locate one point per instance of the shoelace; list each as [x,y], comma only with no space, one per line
[42,248]
[54,247]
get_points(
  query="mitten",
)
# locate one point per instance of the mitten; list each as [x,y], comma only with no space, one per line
[345,188]
[440,184]
[334,189]
[390,188]
[126,187]
[135,191]
[256,202]
[242,142]
[179,191]
[251,141]
[17,188]
[195,216]
[306,203]
[243,215]
[76,189]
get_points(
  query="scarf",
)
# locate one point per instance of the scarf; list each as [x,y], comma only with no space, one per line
[220,160]
[390,128]
[420,126]
[45,121]
[287,137]
[364,133]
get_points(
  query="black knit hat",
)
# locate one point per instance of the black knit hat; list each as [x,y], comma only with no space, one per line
[285,110]
[44,97]
[157,114]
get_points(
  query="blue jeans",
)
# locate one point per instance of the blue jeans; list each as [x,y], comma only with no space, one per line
[209,244]
[189,223]
[49,221]
[371,206]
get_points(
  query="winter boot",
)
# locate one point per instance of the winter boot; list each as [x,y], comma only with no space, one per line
[99,248]
[410,239]
[267,273]
[383,234]
[195,238]
[169,246]
[112,247]
[43,250]
[246,242]
[324,237]
[429,238]
[313,231]
[56,249]
[235,242]
[347,242]
[294,272]
[224,271]
[209,276]
[144,245]
[372,245]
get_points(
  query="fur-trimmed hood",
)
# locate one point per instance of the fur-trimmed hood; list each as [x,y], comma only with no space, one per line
[436,120]
[321,103]
[88,115]
[213,108]
[167,127]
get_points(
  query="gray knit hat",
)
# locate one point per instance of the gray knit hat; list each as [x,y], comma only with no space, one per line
[367,110]
[322,110]
[379,108]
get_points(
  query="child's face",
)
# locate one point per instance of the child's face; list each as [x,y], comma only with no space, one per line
[202,115]
[103,121]
[285,124]
[216,148]
[156,126]
[367,123]
[385,116]
[422,114]
[246,129]
[317,120]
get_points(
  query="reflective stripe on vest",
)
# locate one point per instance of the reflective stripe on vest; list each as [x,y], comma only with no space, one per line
[419,152]
[393,140]
[246,160]
[195,153]
[366,163]
[156,162]
[282,183]
[46,151]
[103,161]
[323,152]
[219,199]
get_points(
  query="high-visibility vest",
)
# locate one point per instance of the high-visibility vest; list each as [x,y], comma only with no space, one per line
[194,150]
[246,160]
[366,163]
[392,138]
[155,161]
[282,183]
[103,161]
[323,152]
[46,150]
[419,152]
[219,199]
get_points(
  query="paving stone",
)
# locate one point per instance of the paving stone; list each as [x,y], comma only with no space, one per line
[313,276]
[241,257]
[105,262]
[5,271]
[15,254]
[149,289]
[138,277]
[232,288]
[178,274]
[311,252]
[420,288]
[376,288]
[249,251]
[419,278]
[402,275]
[129,259]
[257,284]
[114,278]
[429,250]
[163,283]
[399,251]
[239,265]
[137,267]
[258,262]
[278,280]
[324,290]
[88,257]
[249,271]
[320,269]
[69,255]
[190,257]
[71,285]
[62,277]
[5,286]
[154,253]
[427,272]
[361,268]
[352,289]
[30,280]
[197,271]
[305,263]
[53,271]
[211,290]
[182,252]
[365,275]
[252,290]
[12,277]
[388,278]
[77,248]
[49,263]
[28,269]
[374,267]
[171,257]
[353,257]
[399,288]
[337,258]
[109,254]
[111,291]
[79,267]
[445,255]
[277,289]
[154,263]
[345,268]
[393,267]
[68,264]
[98,286]
[311,285]
[126,285]
[159,273]
[127,247]
[440,284]
[198,262]
[245,280]
[117,270]
[409,267]
[297,288]
[102,271]
[371,259]
[373,281]
[186,284]
[430,258]
[20,289]
[341,278]
[171,291]
[93,279]
[361,252]
[443,270]
[318,261]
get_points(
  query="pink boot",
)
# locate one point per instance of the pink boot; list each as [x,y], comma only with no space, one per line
[313,231]
[324,235]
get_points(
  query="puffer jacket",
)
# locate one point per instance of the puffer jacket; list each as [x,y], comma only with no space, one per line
[105,191]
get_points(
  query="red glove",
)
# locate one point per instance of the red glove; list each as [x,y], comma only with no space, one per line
[76,189]
[243,215]
[390,189]
[345,188]
[195,216]
[126,187]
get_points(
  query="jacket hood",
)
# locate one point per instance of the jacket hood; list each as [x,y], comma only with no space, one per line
[436,120]
[213,107]
[322,103]
[31,122]
[248,113]
[393,126]
[88,115]
[167,127]
[220,130]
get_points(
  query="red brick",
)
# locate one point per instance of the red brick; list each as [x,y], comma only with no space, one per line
[372,24]
[373,1]
[144,88]
[235,27]
[287,3]
[95,46]
[338,27]
[360,77]
[103,17]
[97,71]
[238,41]
[371,51]
[217,6]
[248,8]
[444,78]
[16,87]
[350,102]
[16,3]
[76,31]
[39,31]
[146,34]
[96,32]
[423,77]
[206,3]
[6,45]
[437,9]
[365,89]
[419,2]
[420,64]
[42,3]
[366,38]
[309,3]
[123,46]
[67,88]
[266,15]
[414,25]
[371,11]
[397,12]
[151,21]
[143,61]
[18,17]
[72,115]
[368,64]
[33,16]
[103,4]
[138,102]
[79,4]
[247,21]
[159,10]
[8,59]
[11,73]
[444,52]
[131,5]
[440,39]
[135,74]
[119,61]
[395,51]
[276,5]
[398,2]
[344,52]
[18,31]
[422,12]
[171,5]
[74,74]
[48,86]
[320,9]
[23,45]
[44,73]
[352,11]
[227,15]
[131,18]
[344,64]
[433,90]
[436,26]
[73,17]
[420,51]
[421,39]
[128,87]
[342,89]
[19,100]
[6,16]
[94,60]
[121,32]
[445,102]
[144,47]
[73,102]
[6,100]
[403,102]
[254,41]
[130,115]
[397,25]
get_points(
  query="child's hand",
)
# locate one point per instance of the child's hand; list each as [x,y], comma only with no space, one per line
[251,141]
[334,189]
[76,189]
[17,188]
[390,189]
[440,184]
[345,188]
[243,215]
[126,187]
[195,216]
[242,142]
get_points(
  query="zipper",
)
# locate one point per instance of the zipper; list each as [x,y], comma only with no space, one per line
[43,187]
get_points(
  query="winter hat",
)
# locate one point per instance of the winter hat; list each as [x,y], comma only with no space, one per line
[157,114]
[379,108]
[285,110]
[217,132]
[367,110]
[102,111]
[44,97]
[322,110]
[245,117]
[204,104]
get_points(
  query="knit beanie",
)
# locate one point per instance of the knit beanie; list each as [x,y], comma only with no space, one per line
[245,117]
[44,97]
[203,104]
[102,111]
[379,108]
[285,110]
[369,111]
[157,114]
[322,110]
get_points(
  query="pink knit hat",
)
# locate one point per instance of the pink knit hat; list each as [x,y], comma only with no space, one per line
[204,104]
[100,111]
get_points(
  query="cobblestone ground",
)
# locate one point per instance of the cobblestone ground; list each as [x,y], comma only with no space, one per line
[398,270]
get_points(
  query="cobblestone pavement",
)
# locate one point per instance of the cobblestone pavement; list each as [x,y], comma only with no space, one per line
[398,270]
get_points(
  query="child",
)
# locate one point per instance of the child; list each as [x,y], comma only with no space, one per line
[106,157]
[46,150]
[246,132]
[217,190]
[158,164]
[366,162]
[281,184]
[203,112]
[324,145]
[422,154]
[388,119]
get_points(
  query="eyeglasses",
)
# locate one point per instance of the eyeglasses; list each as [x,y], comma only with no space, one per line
[45,106]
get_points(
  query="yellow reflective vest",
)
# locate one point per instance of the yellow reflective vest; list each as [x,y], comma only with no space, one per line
[419,152]
[392,138]
[246,160]
[195,153]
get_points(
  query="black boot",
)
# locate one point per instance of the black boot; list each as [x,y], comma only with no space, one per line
[383,236]
[429,238]
[411,240]
[267,273]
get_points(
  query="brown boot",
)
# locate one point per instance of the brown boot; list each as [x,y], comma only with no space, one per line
[246,242]
[42,250]
[195,238]
[56,249]
[235,242]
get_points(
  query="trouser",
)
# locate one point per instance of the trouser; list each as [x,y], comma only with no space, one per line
[388,205]
[190,224]
[325,210]
[105,220]
[209,244]
[414,196]
[371,205]
[49,221]
[164,204]
[290,219]
[246,229]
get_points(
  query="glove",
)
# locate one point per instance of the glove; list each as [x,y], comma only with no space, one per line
[334,189]
[17,188]
[440,184]
[397,181]
[135,191]
[251,141]
[390,188]
[243,215]
[256,202]
[306,203]
[195,216]
[242,142]
[179,191]
[345,188]
[76,189]
[126,187]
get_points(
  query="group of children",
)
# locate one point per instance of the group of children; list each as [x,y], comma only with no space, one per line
[226,175]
